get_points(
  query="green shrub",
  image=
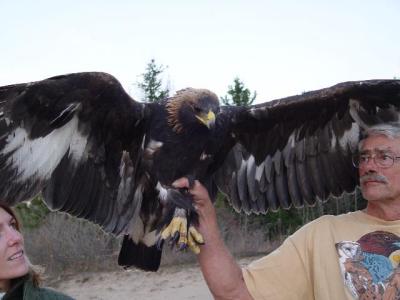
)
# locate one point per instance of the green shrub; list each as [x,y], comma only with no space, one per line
[32,213]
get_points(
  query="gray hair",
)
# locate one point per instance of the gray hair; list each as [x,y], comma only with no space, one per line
[391,130]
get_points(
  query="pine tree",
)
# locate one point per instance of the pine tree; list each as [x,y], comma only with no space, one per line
[151,83]
[238,95]
[32,213]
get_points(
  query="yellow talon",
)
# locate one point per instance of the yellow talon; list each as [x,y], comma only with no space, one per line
[176,225]
[193,245]
[183,232]
[182,240]
[188,237]
[197,237]
[166,232]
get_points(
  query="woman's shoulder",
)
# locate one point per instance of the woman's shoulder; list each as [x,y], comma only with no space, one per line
[50,294]
[44,293]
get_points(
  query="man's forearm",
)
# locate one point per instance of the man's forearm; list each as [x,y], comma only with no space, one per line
[220,270]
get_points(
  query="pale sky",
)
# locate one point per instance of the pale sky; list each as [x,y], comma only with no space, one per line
[278,48]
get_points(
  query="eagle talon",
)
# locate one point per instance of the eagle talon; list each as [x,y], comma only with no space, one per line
[180,235]
[176,237]
[182,247]
[195,235]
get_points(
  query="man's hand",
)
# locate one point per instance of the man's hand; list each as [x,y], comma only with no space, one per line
[202,204]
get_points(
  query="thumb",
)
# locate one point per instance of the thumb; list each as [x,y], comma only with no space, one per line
[182,182]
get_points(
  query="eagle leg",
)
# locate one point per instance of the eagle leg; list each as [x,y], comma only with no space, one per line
[180,233]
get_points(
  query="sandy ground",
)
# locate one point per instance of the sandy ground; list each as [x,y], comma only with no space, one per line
[170,282]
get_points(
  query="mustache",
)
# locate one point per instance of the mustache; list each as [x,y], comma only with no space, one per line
[373,177]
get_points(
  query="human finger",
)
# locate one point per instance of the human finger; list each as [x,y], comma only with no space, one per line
[182,182]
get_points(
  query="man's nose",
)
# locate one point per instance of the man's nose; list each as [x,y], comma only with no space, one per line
[369,166]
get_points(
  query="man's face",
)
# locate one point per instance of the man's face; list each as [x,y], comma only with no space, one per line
[379,183]
[13,262]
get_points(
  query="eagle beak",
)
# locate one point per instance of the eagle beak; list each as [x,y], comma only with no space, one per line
[207,119]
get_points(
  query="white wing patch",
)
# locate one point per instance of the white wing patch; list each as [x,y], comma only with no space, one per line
[77,145]
[350,138]
[42,155]
[162,192]
[354,108]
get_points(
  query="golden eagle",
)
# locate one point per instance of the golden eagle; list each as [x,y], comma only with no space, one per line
[95,153]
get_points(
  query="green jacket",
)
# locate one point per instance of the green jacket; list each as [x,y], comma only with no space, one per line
[25,290]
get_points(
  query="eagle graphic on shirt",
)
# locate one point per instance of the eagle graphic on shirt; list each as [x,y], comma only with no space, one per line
[370,266]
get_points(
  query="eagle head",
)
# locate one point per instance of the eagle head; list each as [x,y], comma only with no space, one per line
[192,109]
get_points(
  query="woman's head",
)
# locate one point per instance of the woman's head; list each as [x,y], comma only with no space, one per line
[13,261]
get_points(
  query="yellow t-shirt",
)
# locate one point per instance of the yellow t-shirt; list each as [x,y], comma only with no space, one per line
[334,257]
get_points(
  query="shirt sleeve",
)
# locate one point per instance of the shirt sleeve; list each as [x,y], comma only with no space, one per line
[279,275]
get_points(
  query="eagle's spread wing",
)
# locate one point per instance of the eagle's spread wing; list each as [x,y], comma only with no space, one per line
[296,150]
[76,138]
[97,154]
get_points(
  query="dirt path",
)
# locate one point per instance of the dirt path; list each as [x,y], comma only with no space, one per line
[174,282]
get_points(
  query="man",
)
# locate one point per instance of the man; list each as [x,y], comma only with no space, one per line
[351,256]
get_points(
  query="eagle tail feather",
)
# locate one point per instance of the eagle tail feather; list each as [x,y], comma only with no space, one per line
[139,255]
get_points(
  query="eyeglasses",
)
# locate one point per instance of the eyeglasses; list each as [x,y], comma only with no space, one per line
[381,159]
